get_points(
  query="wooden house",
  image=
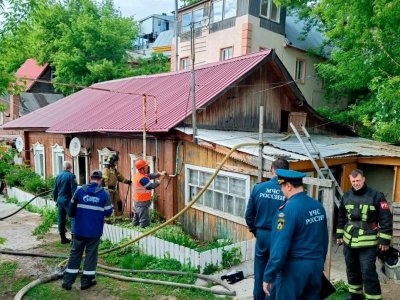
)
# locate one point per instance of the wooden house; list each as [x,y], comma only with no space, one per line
[111,117]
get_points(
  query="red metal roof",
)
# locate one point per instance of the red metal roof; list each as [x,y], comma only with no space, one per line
[92,110]
[30,69]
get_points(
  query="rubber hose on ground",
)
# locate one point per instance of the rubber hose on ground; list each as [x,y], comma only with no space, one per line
[23,206]
[175,284]
[44,279]
[48,278]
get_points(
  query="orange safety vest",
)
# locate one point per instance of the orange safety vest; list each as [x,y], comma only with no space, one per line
[141,193]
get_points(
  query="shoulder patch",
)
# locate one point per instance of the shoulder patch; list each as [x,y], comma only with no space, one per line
[384,205]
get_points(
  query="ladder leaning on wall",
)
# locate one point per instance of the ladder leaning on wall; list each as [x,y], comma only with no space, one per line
[314,154]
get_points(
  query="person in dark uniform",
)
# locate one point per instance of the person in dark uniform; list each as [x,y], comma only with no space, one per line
[364,222]
[265,199]
[299,243]
[64,187]
[111,177]
[89,205]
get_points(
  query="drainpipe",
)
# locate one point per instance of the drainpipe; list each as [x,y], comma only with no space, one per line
[144,125]
[261,146]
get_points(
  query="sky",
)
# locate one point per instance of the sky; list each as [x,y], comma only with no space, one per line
[140,9]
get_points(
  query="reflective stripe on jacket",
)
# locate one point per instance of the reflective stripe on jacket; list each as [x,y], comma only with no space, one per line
[364,219]
[141,193]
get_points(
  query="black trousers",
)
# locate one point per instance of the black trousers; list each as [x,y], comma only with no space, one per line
[79,245]
[361,271]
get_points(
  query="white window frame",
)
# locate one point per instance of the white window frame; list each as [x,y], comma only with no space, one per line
[57,151]
[300,71]
[226,53]
[103,155]
[37,150]
[184,63]
[198,205]
[269,11]
[83,153]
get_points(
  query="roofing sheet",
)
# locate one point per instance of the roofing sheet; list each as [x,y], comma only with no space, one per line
[118,107]
[288,146]
[30,69]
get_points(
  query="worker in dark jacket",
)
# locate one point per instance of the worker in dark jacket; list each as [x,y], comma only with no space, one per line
[142,192]
[89,205]
[265,199]
[299,243]
[364,224]
[111,177]
[64,187]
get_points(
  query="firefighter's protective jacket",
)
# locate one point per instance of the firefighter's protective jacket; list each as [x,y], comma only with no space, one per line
[364,219]
[111,178]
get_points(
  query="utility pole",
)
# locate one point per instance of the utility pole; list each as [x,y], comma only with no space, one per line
[193,84]
[176,37]
[144,125]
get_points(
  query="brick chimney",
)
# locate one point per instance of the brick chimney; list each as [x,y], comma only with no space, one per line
[15,102]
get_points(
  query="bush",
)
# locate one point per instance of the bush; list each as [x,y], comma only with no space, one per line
[231,257]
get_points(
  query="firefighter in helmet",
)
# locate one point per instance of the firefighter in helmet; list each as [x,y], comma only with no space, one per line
[142,194]
[111,177]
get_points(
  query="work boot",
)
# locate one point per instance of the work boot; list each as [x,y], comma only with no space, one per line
[87,281]
[354,297]
[64,239]
[66,286]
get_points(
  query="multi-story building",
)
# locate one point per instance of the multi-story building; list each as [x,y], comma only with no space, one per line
[229,28]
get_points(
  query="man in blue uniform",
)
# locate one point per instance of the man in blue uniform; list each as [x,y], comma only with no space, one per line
[64,188]
[89,205]
[299,243]
[265,199]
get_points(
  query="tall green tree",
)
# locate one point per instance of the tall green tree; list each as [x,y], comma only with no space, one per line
[365,61]
[85,41]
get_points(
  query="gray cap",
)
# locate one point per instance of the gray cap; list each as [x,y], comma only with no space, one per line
[96,174]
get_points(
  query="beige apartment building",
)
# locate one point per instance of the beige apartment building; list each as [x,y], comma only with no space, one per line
[223,29]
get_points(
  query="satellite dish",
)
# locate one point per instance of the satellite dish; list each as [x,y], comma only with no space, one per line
[19,144]
[75,147]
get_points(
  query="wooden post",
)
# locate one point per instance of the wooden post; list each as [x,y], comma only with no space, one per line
[261,147]
[344,181]
[396,185]
[328,196]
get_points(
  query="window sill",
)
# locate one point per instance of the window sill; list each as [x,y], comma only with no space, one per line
[220,214]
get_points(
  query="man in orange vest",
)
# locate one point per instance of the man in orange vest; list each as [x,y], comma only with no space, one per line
[142,192]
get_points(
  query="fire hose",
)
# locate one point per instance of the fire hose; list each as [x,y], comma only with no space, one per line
[62,265]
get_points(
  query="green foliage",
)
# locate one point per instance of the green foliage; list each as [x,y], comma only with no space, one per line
[176,235]
[211,269]
[8,268]
[215,243]
[158,63]
[231,257]
[2,240]
[342,291]
[84,41]
[23,177]
[364,65]
[49,217]
[6,160]
[3,107]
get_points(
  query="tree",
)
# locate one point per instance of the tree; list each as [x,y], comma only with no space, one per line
[85,41]
[365,61]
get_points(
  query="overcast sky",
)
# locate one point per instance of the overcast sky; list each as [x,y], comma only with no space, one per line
[142,8]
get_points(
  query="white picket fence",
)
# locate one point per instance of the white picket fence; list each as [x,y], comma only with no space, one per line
[151,245]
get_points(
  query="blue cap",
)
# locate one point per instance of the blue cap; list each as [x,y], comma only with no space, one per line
[291,176]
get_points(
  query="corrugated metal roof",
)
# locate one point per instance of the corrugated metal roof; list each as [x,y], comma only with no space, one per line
[30,69]
[289,147]
[93,110]
[164,39]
